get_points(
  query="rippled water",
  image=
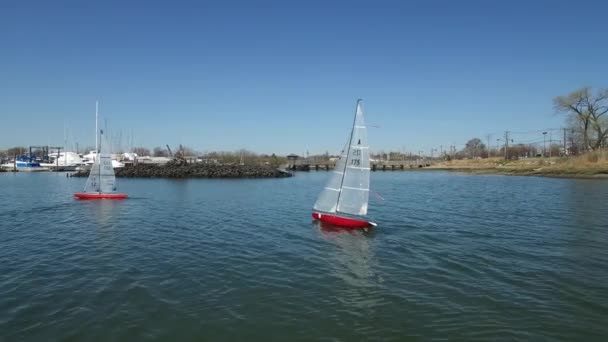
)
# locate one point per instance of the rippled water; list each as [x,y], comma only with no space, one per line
[454,256]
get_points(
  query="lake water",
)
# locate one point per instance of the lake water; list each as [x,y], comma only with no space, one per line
[454,256]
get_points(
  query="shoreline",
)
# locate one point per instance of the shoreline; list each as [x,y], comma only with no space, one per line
[551,171]
[555,173]
[587,166]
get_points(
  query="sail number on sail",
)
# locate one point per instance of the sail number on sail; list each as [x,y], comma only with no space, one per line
[356,161]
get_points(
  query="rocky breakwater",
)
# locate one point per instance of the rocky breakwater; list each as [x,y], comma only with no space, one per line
[195,170]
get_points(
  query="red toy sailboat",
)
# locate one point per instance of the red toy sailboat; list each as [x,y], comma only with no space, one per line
[102,181]
[343,201]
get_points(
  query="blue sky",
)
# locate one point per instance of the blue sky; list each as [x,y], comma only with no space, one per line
[283,76]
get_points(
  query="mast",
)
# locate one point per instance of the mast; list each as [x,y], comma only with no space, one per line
[96,131]
[350,141]
[98,160]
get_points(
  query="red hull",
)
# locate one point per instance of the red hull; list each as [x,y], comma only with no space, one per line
[100,196]
[342,221]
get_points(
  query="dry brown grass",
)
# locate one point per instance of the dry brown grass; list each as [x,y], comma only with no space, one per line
[588,164]
[469,163]
[590,158]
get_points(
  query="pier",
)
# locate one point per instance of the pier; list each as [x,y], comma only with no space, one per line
[297,164]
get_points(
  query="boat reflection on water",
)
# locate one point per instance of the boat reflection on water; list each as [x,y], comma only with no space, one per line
[104,214]
[329,229]
[354,265]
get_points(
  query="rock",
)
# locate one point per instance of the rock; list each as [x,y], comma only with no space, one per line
[195,170]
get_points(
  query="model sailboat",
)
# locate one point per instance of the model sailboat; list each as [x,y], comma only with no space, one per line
[343,201]
[102,181]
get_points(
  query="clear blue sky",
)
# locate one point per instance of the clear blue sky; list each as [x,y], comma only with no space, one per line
[283,76]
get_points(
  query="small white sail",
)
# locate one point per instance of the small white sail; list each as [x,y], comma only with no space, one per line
[93,184]
[354,194]
[101,178]
[347,190]
[328,199]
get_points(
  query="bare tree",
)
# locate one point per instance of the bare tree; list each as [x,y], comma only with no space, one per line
[16,151]
[141,151]
[474,148]
[160,152]
[188,152]
[589,111]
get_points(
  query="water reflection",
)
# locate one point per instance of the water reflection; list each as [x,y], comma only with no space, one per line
[354,264]
[102,212]
[585,207]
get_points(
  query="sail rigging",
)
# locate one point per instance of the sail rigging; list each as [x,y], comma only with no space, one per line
[328,199]
[347,190]
[101,183]
[101,177]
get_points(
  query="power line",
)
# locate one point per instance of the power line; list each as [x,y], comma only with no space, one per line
[538,131]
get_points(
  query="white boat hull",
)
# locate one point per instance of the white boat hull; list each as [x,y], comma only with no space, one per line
[54,167]
[11,167]
[32,169]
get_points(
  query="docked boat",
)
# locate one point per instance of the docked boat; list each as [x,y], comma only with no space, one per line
[101,183]
[344,200]
[64,161]
[89,159]
[25,164]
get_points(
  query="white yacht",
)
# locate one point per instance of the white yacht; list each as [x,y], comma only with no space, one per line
[89,159]
[66,161]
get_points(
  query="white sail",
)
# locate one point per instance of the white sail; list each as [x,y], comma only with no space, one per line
[347,191]
[101,178]
[328,199]
[354,193]
[93,184]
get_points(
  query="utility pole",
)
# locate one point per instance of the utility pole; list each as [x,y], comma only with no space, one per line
[572,146]
[550,141]
[507,145]
[488,146]
[565,149]
[544,144]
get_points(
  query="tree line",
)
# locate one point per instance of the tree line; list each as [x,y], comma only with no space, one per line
[586,116]
[586,129]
